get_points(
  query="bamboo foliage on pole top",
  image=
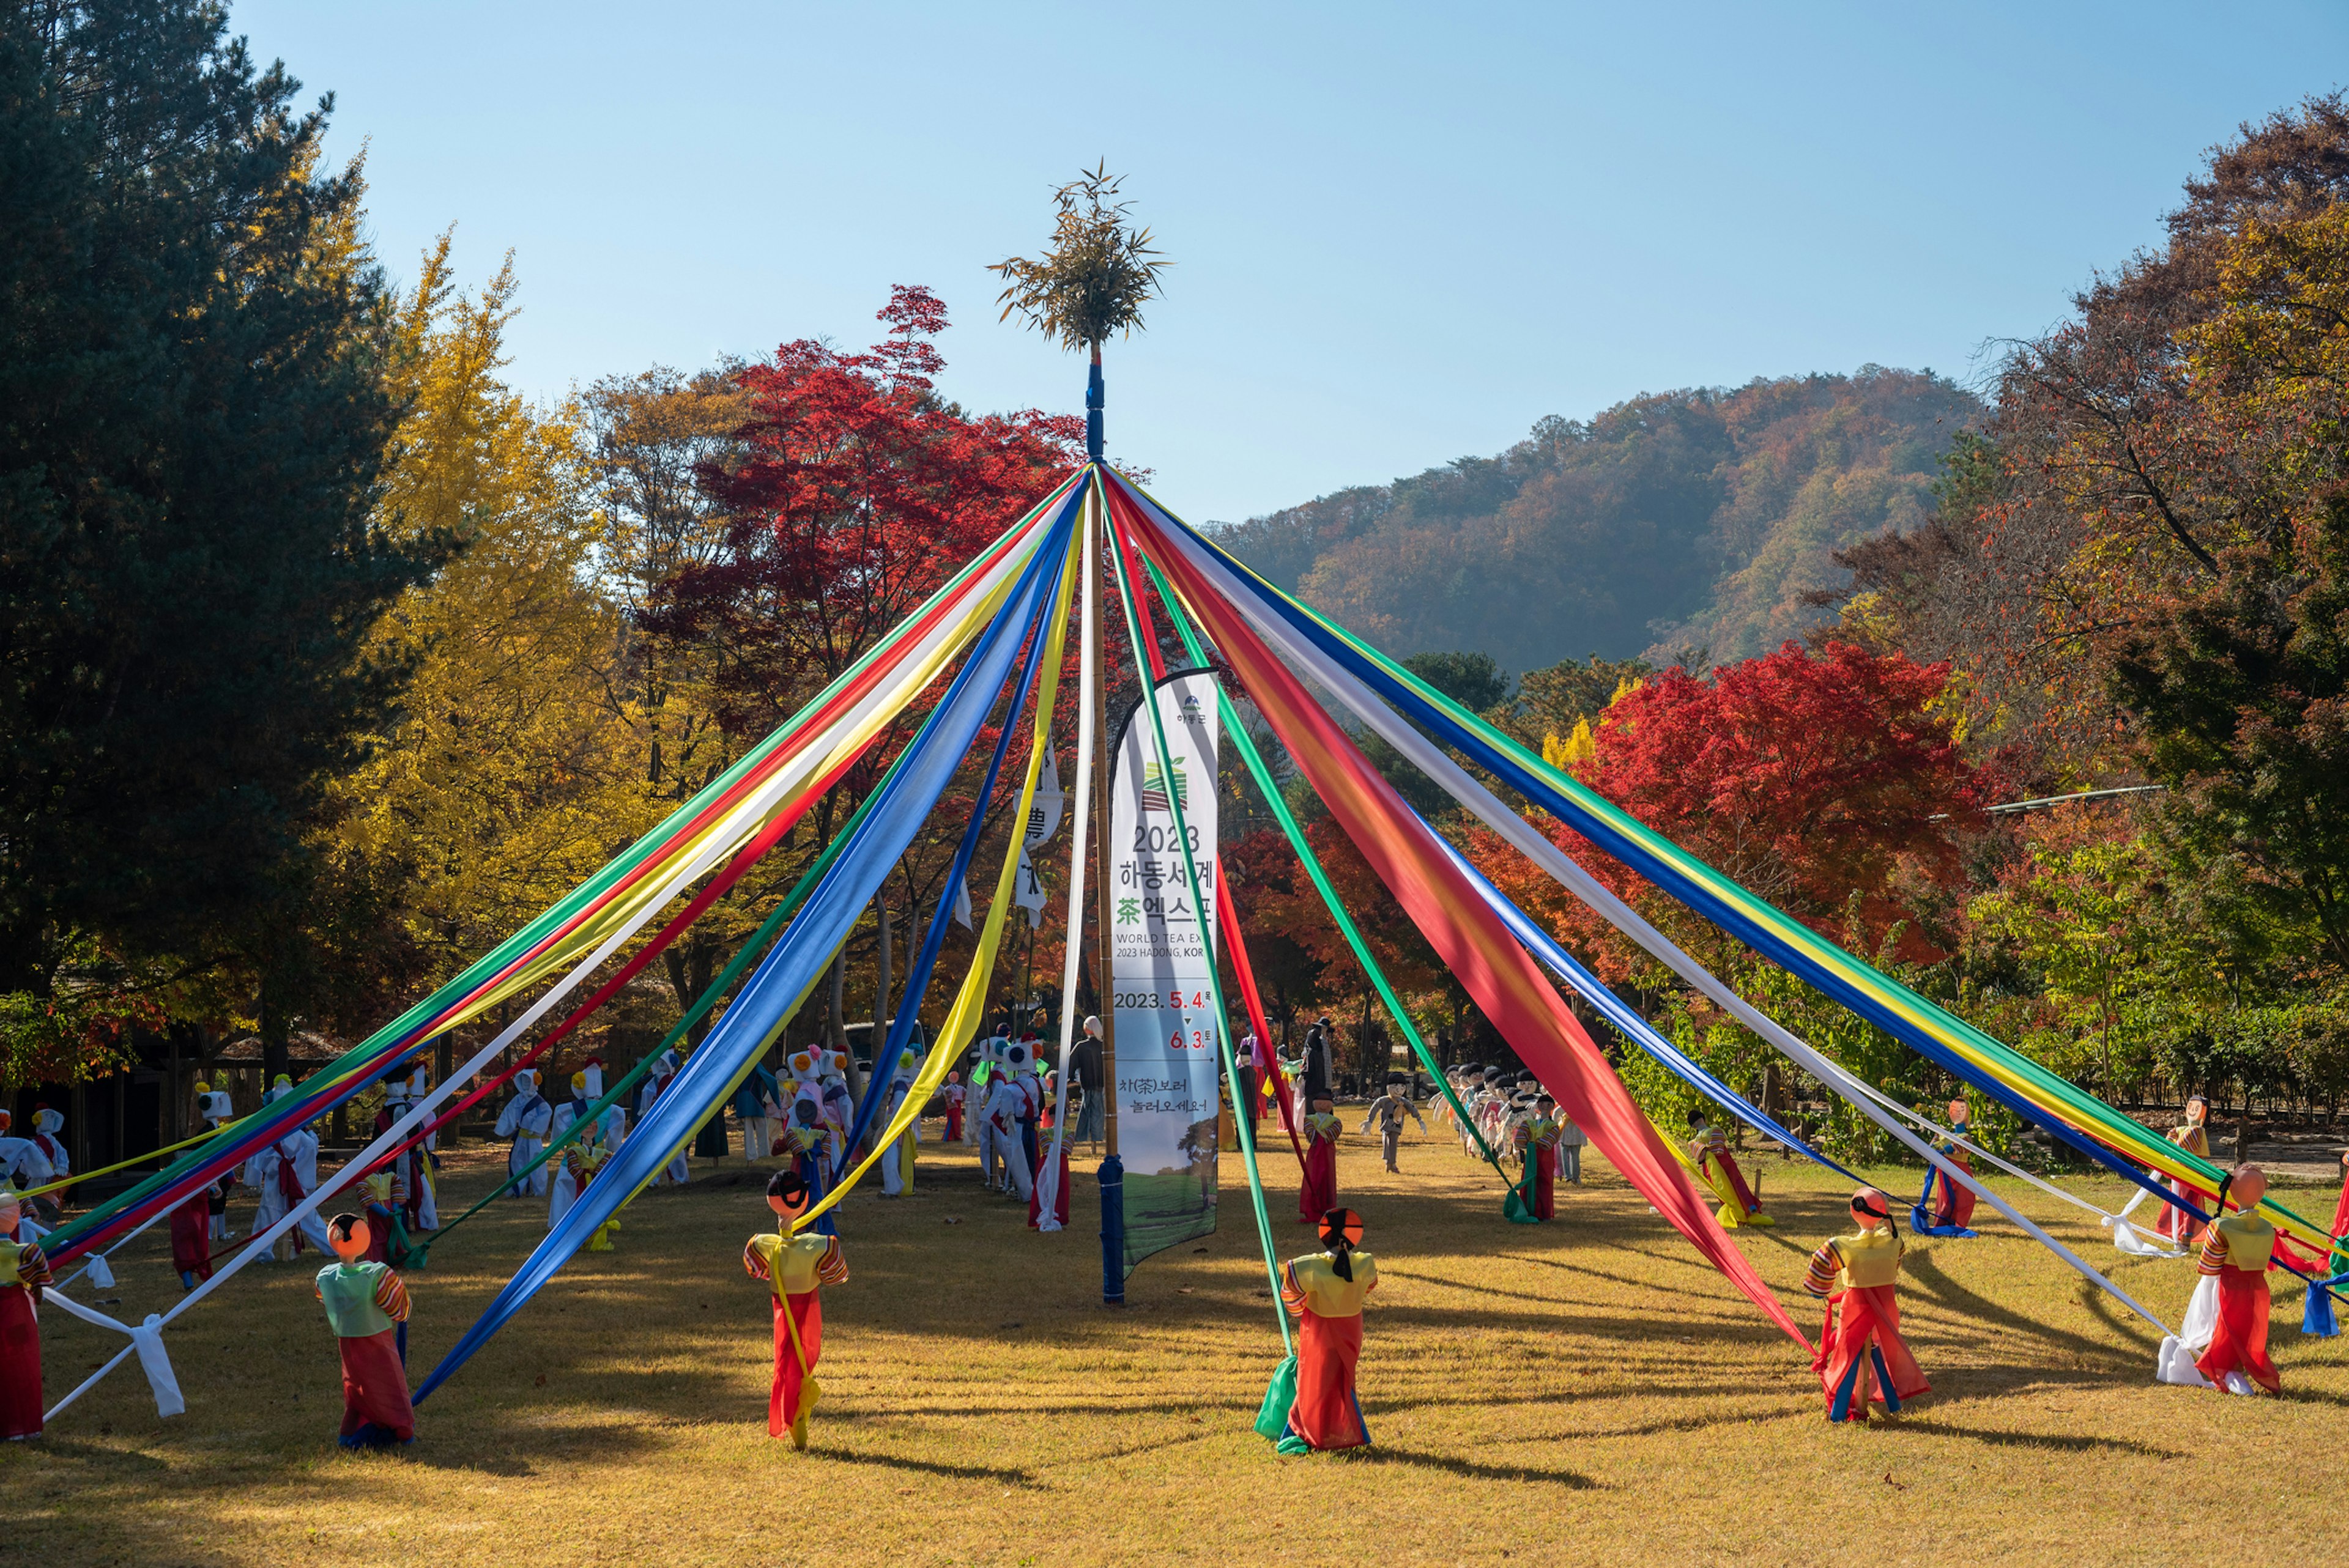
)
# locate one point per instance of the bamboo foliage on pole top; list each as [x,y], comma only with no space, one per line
[1096,276]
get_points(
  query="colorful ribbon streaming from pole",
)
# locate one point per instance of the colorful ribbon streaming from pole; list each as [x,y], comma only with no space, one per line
[2038,1095]
[791,971]
[963,1018]
[614,899]
[1494,970]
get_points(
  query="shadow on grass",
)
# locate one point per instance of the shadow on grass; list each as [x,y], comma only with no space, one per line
[1944,1292]
[137,1460]
[1796,1408]
[2072,1445]
[989,1473]
[1467,1469]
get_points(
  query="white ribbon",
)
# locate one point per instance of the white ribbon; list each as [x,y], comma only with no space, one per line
[1048,1184]
[733,829]
[147,1339]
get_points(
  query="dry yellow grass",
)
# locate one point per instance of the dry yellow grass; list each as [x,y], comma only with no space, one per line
[1580,1391]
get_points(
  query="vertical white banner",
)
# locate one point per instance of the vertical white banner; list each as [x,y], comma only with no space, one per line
[1162,952]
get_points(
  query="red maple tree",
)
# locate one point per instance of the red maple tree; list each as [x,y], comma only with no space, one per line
[1830,783]
[853,492]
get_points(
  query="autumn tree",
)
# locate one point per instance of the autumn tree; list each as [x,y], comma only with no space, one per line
[2122,462]
[2244,698]
[1821,781]
[650,437]
[512,769]
[850,491]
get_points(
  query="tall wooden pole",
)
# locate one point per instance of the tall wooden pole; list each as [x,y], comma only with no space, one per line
[1104,987]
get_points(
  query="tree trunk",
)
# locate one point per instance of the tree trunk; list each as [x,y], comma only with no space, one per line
[275,1029]
[444,1062]
[837,1019]
[690,965]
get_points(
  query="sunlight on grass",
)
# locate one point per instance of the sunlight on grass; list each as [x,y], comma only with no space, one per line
[1547,1393]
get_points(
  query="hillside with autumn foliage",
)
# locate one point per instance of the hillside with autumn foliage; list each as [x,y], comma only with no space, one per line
[1672,522]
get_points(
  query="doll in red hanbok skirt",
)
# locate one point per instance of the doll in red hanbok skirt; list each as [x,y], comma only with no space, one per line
[1955,1209]
[1542,1138]
[2237,1250]
[1325,1294]
[23,1272]
[367,1304]
[794,1267]
[2177,1226]
[1319,1193]
[191,1242]
[1861,1356]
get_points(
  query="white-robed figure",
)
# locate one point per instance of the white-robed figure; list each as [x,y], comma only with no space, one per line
[215,1106]
[528,1120]
[657,1078]
[989,1145]
[799,1075]
[839,1109]
[284,1173]
[1007,1100]
[897,1159]
[22,1163]
[48,1127]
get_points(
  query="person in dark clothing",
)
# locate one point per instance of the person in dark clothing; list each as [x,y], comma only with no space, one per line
[1085,1062]
[1321,1074]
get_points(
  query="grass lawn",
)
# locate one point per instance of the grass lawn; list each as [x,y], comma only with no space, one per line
[1582,1391]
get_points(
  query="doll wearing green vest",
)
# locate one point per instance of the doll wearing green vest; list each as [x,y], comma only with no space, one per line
[366,1304]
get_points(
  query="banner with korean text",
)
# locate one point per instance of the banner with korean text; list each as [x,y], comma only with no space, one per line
[1162,954]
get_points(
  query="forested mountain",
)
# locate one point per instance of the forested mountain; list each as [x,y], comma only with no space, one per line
[1679,520]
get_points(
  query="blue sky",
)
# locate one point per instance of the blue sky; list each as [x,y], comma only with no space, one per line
[1403,233]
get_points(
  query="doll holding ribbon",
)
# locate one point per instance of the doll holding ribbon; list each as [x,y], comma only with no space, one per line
[1708,1147]
[1861,1356]
[2237,1251]
[1325,1293]
[2193,1135]
[794,1268]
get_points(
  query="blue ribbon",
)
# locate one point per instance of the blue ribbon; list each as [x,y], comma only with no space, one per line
[918,979]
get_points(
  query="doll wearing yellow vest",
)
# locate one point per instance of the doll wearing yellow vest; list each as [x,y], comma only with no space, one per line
[1861,1356]
[795,1267]
[2236,1251]
[1325,1293]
